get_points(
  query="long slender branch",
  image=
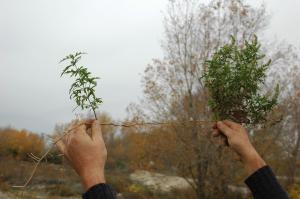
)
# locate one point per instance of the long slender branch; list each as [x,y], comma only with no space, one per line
[154,123]
[38,160]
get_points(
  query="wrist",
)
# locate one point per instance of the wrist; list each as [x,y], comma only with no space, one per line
[91,178]
[253,161]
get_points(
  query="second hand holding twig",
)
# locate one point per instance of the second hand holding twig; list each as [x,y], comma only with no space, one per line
[38,160]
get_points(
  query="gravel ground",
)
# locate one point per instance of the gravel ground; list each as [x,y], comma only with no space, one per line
[4,196]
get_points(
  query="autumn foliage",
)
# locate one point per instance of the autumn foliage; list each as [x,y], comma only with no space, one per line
[18,144]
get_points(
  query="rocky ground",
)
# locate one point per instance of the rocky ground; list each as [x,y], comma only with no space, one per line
[159,181]
[60,182]
[31,195]
[4,196]
[165,183]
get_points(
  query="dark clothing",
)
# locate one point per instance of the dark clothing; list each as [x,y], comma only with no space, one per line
[100,191]
[262,183]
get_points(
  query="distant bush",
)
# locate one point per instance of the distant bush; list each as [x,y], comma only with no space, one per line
[3,185]
[294,191]
[18,144]
[54,157]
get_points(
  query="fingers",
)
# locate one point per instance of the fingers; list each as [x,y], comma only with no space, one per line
[215,133]
[80,134]
[222,139]
[226,130]
[215,126]
[225,140]
[60,145]
[231,124]
[81,128]
[96,129]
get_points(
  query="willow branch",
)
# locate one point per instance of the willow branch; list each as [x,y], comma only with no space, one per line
[38,160]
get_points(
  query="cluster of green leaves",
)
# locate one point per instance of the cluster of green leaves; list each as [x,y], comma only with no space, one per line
[234,78]
[83,88]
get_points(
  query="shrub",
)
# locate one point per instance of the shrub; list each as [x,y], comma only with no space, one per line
[3,185]
[294,191]
[234,78]
[18,144]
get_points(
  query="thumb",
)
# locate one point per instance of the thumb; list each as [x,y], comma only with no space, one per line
[81,128]
[224,129]
[60,145]
[96,129]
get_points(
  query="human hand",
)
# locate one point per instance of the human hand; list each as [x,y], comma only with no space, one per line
[237,138]
[86,153]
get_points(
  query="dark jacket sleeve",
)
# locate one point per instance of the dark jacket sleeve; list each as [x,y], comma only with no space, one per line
[263,185]
[100,191]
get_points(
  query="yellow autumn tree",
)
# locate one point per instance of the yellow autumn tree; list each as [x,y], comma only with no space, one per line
[18,144]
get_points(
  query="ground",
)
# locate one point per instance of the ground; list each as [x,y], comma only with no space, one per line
[54,181]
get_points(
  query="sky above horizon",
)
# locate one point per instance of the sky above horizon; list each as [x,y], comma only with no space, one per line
[120,36]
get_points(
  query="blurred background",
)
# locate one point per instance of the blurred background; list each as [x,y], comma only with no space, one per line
[140,50]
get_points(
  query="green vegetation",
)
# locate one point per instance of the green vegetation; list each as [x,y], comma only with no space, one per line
[234,77]
[83,88]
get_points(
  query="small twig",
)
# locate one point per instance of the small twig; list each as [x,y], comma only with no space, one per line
[38,162]
[32,156]
[126,125]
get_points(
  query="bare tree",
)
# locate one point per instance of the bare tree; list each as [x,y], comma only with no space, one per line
[291,122]
[174,89]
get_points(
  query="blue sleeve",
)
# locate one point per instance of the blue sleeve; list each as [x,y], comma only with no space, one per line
[264,185]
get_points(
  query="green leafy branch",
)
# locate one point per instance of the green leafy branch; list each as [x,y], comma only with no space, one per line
[234,77]
[83,88]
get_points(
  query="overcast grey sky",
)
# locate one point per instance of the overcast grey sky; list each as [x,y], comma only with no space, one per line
[120,36]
